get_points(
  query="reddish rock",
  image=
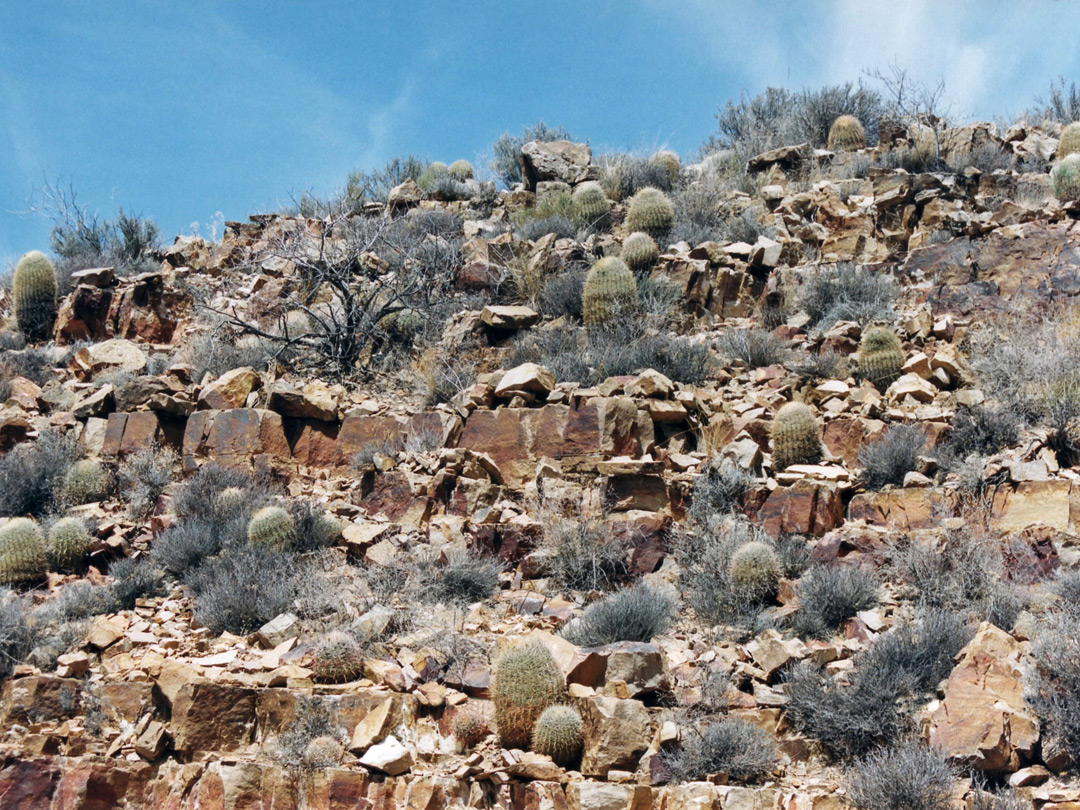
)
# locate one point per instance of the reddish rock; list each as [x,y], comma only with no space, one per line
[127,432]
[84,315]
[336,789]
[806,507]
[391,494]
[844,438]
[13,429]
[39,698]
[242,437]
[144,310]
[314,443]
[902,509]
[28,784]
[102,785]
[361,432]
[211,718]
[244,785]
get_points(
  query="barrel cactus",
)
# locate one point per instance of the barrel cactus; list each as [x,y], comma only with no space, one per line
[470,727]
[796,436]
[652,212]
[591,205]
[1066,177]
[68,545]
[460,170]
[271,526]
[231,502]
[22,553]
[525,680]
[323,752]
[755,570]
[610,292]
[558,734]
[846,134]
[34,287]
[669,161]
[880,356]
[86,481]
[431,174]
[640,252]
[337,658]
[1070,141]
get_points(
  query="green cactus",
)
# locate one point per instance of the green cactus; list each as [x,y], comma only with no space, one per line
[796,436]
[881,356]
[432,173]
[558,734]
[1070,141]
[670,163]
[755,569]
[651,211]
[846,134]
[524,681]
[610,292]
[22,553]
[230,502]
[591,205]
[273,527]
[461,170]
[470,727]
[640,252]
[86,481]
[34,287]
[1066,177]
[337,658]
[68,545]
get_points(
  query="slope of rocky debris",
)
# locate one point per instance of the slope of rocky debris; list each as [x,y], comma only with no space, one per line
[337,471]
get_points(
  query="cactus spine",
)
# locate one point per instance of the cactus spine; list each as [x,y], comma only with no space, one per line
[755,569]
[1070,141]
[558,734]
[1066,178]
[525,681]
[22,553]
[610,292]
[461,170]
[34,287]
[86,481]
[650,211]
[337,658]
[68,545]
[669,161]
[640,252]
[796,436]
[591,205]
[470,727]
[846,134]
[323,752]
[880,356]
[271,526]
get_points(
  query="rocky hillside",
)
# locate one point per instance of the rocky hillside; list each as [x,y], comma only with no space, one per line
[638,485]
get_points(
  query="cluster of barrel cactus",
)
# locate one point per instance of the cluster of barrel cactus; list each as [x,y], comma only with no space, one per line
[34,287]
[470,727]
[524,682]
[670,163]
[610,292]
[796,436]
[86,481]
[846,134]
[460,170]
[337,658]
[650,211]
[558,733]
[881,357]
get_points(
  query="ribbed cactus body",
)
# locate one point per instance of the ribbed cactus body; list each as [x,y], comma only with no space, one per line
[558,733]
[525,681]
[669,161]
[86,481]
[460,170]
[337,658]
[755,569]
[22,553]
[796,436]
[1070,141]
[470,728]
[323,752]
[846,134]
[34,287]
[1066,178]
[273,527]
[591,205]
[610,292]
[881,357]
[640,252]
[650,211]
[68,545]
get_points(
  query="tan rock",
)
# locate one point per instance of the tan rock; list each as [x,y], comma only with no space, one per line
[116,353]
[509,318]
[583,795]
[389,756]
[529,378]
[230,390]
[314,400]
[617,733]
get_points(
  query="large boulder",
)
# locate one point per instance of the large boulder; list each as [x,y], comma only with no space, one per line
[564,161]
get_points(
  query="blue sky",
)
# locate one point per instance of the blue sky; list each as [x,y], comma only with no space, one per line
[186,111]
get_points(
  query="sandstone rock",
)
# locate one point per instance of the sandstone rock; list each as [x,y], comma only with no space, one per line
[983,721]
[114,354]
[314,400]
[902,509]
[278,630]
[806,507]
[641,666]
[509,318]
[405,195]
[771,652]
[582,795]
[238,437]
[127,432]
[241,785]
[787,157]
[230,390]
[527,377]
[1052,503]
[389,756]
[208,718]
[554,160]
[617,733]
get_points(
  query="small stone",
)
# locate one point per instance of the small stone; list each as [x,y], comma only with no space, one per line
[528,378]
[278,630]
[389,756]
[509,318]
